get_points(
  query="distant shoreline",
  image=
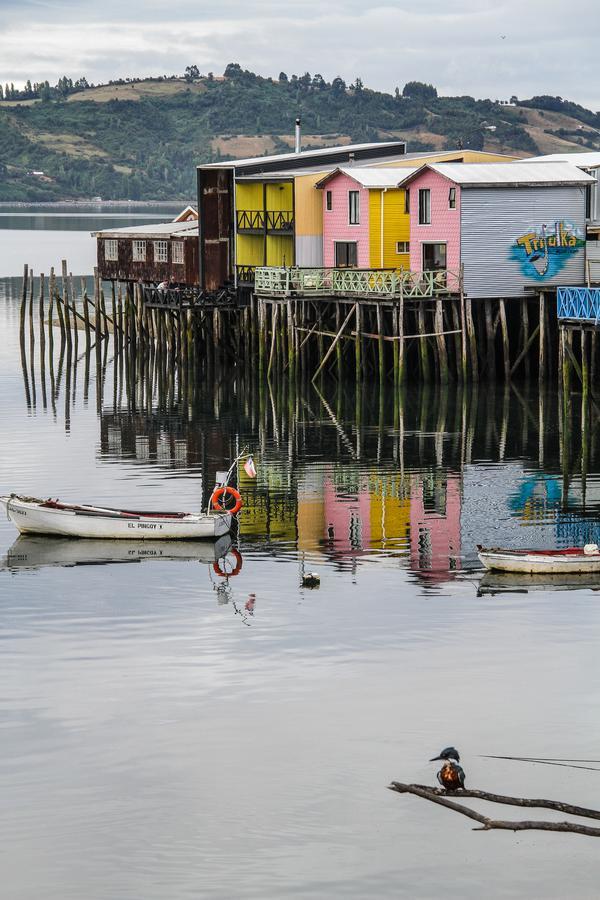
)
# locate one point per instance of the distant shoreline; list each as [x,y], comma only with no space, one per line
[96,203]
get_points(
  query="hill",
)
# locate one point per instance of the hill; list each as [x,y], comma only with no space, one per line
[142,139]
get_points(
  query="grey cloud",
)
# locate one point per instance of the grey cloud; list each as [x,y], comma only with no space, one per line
[460,48]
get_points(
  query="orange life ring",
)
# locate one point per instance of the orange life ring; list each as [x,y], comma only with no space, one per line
[237,567]
[222,492]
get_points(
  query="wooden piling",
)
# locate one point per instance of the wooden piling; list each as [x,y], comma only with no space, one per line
[423,352]
[490,333]
[441,341]
[358,342]
[505,342]
[24,297]
[542,346]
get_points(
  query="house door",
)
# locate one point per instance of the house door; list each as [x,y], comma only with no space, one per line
[434,257]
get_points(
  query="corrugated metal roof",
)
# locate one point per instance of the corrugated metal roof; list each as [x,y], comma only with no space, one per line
[159,230]
[304,154]
[370,176]
[587,160]
[509,173]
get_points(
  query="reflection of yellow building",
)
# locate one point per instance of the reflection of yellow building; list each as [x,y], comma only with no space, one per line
[268,510]
[389,511]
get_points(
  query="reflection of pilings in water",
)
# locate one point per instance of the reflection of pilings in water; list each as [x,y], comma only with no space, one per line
[31,341]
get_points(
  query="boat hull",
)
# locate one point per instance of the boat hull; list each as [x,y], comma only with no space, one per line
[30,517]
[540,564]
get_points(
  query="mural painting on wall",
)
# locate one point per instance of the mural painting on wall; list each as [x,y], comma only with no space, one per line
[544,250]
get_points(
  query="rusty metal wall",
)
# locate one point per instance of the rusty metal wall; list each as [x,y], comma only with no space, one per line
[215,209]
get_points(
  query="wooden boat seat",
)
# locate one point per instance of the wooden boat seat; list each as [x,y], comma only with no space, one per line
[110,512]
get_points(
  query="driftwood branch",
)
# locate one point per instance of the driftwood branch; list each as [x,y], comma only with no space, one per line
[435,795]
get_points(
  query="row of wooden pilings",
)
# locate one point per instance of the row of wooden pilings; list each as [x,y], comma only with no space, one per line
[170,376]
[441,339]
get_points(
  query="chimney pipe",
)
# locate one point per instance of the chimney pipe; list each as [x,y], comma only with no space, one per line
[297,150]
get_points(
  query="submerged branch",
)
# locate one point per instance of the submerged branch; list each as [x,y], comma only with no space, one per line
[435,795]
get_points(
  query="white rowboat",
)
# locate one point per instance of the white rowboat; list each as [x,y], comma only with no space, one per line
[573,560]
[33,516]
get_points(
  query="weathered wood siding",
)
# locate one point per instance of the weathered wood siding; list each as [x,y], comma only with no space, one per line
[126,269]
[215,200]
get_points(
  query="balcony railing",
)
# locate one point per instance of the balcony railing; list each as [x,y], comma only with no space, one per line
[579,303]
[245,274]
[280,220]
[269,220]
[251,220]
[383,283]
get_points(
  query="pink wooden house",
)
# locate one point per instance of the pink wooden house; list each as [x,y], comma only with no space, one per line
[434,202]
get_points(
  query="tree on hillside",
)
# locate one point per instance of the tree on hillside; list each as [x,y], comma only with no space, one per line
[417,90]
[191,72]
[338,85]
[283,78]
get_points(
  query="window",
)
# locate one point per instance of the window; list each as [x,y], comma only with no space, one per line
[353,208]
[111,251]
[452,198]
[177,251]
[407,201]
[328,201]
[346,255]
[588,201]
[139,251]
[161,251]
[424,206]
[434,257]
[402,247]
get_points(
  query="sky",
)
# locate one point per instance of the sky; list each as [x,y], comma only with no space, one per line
[476,47]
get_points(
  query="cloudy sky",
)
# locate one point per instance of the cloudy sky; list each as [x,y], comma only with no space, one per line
[477,47]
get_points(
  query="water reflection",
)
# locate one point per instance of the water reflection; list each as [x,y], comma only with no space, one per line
[416,478]
[35,552]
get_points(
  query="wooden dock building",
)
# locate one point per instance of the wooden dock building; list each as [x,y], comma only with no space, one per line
[150,253]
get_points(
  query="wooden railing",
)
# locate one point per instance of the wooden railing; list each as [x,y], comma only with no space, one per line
[260,219]
[280,220]
[578,303]
[384,283]
[245,274]
[251,219]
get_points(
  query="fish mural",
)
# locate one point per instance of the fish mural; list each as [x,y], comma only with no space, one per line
[544,250]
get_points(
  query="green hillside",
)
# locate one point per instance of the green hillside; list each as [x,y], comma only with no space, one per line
[142,139]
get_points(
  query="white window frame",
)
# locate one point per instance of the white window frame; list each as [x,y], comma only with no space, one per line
[422,192]
[328,201]
[111,250]
[452,198]
[177,252]
[161,251]
[138,251]
[402,246]
[356,210]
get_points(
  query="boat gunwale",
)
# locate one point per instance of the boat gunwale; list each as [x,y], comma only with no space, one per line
[15,501]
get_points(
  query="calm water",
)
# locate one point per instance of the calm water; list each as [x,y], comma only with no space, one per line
[160,740]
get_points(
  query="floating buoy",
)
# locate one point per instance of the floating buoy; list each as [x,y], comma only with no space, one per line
[311,580]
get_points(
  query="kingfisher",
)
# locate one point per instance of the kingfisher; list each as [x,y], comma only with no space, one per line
[451,776]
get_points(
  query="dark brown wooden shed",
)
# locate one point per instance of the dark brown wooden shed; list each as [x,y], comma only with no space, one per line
[149,253]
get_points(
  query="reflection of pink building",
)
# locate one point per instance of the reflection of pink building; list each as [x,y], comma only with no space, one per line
[349,517]
[435,525]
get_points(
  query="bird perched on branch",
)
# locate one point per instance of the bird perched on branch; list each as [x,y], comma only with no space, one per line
[451,776]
